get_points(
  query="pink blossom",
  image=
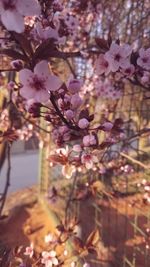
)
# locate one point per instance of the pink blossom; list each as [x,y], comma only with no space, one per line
[38,84]
[83,123]
[49,258]
[76,101]
[29,251]
[128,70]
[117,56]
[88,160]
[12,12]
[102,65]
[144,58]
[41,33]
[89,140]
[49,238]
[145,78]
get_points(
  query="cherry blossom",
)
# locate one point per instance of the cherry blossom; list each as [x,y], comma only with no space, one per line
[49,258]
[144,58]
[117,56]
[12,12]
[49,238]
[29,251]
[38,84]
[102,65]
[128,70]
[43,33]
[88,160]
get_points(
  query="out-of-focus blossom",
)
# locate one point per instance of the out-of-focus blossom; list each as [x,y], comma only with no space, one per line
[68,170]
[88,160]
[12,12]
[86,264]
[49,238]
[29,251]
[49,258]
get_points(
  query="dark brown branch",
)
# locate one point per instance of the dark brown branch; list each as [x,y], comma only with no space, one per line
[52,99]
[7,184]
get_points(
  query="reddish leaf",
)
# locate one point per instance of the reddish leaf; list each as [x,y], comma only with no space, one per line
[103,44]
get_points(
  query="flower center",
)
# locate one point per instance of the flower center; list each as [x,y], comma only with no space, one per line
[117,57]
[105,64]
[145,59]
[9,4]
[87,157]
[37,83]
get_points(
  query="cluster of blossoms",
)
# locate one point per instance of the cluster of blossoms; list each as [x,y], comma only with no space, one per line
[44,34]
[50,258]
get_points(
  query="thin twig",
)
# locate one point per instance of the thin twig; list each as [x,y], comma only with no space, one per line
[135,161]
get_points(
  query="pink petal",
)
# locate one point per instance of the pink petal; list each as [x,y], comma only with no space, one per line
[41,96]
[42,69]
[28,7]
[27,92]
[13,21]
[26,76]
[53,83]
[52,253]
[55,261]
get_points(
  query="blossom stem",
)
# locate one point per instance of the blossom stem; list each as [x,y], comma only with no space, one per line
[52,99]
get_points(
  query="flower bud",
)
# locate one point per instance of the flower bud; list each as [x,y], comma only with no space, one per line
[83,123]
[74,86]
[17,64]
[76,101]
[69,114]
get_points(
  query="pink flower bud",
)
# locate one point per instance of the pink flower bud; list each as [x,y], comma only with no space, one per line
[77,148]
[76,101]
[69,114]
[107,126]
[63,129]
[83,123]
[74,86]
[17,64]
